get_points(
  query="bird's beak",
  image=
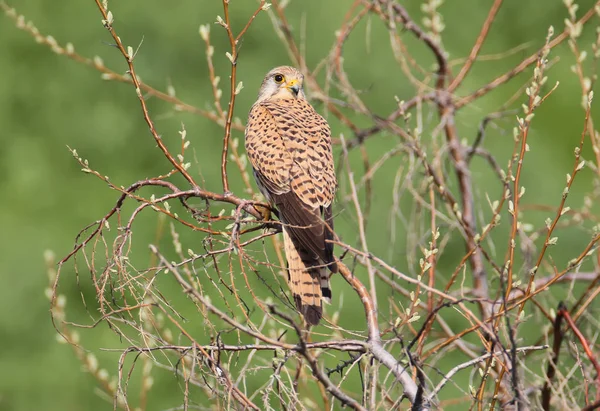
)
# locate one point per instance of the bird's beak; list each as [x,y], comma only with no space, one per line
[293,86]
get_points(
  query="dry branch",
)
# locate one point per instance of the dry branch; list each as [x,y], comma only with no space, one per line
[423,300]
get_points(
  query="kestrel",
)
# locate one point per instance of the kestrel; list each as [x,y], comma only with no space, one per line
[289,146]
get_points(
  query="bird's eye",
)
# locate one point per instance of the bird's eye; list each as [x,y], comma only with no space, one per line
[278,78]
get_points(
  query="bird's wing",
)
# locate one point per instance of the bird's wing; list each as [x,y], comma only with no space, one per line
[289,146]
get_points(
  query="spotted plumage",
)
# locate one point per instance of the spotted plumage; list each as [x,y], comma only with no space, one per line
[289,146]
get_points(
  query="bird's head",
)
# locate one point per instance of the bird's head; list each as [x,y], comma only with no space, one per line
[282,83]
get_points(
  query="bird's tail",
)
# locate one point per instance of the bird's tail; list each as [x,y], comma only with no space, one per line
[308,284]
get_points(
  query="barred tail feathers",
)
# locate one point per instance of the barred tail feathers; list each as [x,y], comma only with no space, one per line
[325,287]
[305,283]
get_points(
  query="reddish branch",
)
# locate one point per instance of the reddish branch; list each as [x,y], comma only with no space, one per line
[563,314]
[446,109]
[182,195]
[465,101]
[592,407]
[586,347]
[233,57]
[400,14]
[559,212]
[487,24]
[129,56]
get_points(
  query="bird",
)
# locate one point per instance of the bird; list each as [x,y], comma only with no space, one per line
[289,146]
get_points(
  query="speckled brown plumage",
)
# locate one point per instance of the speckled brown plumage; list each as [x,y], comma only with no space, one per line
[289,146]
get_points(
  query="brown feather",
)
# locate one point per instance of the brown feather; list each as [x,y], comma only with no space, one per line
[289,146]
[304,283]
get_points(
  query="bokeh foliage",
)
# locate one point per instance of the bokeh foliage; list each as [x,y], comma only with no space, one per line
[48,102]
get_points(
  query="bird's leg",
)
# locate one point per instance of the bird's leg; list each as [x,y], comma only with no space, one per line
[266,213]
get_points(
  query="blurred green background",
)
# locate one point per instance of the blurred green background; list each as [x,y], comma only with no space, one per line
[48,102]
